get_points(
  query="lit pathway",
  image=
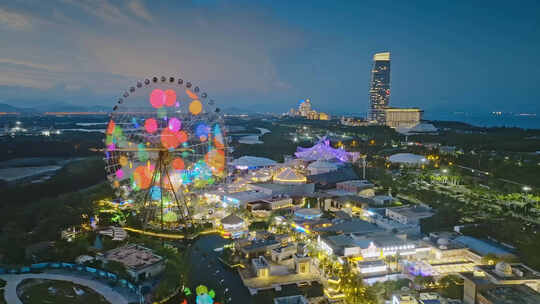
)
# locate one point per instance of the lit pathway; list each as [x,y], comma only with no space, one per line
[12,280]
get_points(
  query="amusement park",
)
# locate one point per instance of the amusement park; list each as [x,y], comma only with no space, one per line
[193,212]
[269,152]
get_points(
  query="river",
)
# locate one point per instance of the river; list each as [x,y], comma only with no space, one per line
[207,270]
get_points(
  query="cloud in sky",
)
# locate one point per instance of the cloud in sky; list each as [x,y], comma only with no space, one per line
[138,8]
[14,21]
[246,53]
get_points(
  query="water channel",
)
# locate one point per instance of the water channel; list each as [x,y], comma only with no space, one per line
[207,270]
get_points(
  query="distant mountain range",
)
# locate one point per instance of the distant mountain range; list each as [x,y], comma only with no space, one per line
[4,107]
[66,107]
[53,107]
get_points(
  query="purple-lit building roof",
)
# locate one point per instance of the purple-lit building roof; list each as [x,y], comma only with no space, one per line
[323,151]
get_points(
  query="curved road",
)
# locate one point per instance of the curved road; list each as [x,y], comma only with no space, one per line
[10,291]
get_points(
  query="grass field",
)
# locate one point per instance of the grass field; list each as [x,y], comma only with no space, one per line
[37,291]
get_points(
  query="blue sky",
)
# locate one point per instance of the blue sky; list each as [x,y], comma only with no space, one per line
[266,55]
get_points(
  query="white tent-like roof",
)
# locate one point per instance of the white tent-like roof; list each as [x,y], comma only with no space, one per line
[419,128]
[246,162]
[322,165]
[232,219]
[408,158]
[289,176]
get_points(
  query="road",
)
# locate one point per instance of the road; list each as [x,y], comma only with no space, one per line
[12,280]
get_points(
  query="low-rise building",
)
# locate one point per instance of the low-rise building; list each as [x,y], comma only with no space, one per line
[372,267]
[511,274]
[383,199]
[274,203]
[339,245]
[508,294]
[368,246]
[254,248]
[291,190]
[409,215]
[261,267]
[141,263]
[404,298]
[283,252]
[490,284]
[241,199]
[234,226]
[302,263]
[402,117]
[359,187]
[349,226]
[321,166]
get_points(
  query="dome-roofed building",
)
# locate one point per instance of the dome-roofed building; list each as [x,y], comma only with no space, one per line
[308,213]
[233,226]
[289,176]
[321,166]
[252,162]
[503,269]
[408,159]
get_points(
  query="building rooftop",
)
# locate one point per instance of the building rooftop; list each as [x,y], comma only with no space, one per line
[381,239]
[342,174]
[476,279]
[232,219]
[289,176]
[246,196]
[299,299]
[246,162]
[323,151]
[341,240]
[407,158]
[133,256]
[259,245]
[515,272]
[355,226]
[288,189]
[384,56]
[511,294]
[260,262]
[288,247]
[414,212]
[308,213]
[322,165]
[358,183]
[337,192]
[373,263]
[480,246]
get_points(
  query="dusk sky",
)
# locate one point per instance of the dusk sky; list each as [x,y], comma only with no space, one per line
[267,55]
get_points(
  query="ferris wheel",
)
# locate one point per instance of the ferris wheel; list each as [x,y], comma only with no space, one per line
[164,142]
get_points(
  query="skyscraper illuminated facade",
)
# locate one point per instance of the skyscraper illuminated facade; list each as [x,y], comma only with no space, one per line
[379,91]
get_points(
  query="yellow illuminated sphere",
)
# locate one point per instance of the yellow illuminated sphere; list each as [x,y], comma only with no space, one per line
[195,107]
[123,161]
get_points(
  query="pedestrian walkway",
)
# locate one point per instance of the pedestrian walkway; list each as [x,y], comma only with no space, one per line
[13,280]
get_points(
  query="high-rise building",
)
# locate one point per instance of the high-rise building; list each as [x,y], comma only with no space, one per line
[402,117]
[379,91]
[304,107]
[305,110]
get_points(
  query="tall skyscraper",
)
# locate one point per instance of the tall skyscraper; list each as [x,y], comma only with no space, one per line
[379,91]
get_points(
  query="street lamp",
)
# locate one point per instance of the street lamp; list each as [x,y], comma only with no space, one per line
[444,170]
[526,188]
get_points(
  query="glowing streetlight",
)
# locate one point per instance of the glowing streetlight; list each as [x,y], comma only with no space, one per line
[526,188]
[444,170]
